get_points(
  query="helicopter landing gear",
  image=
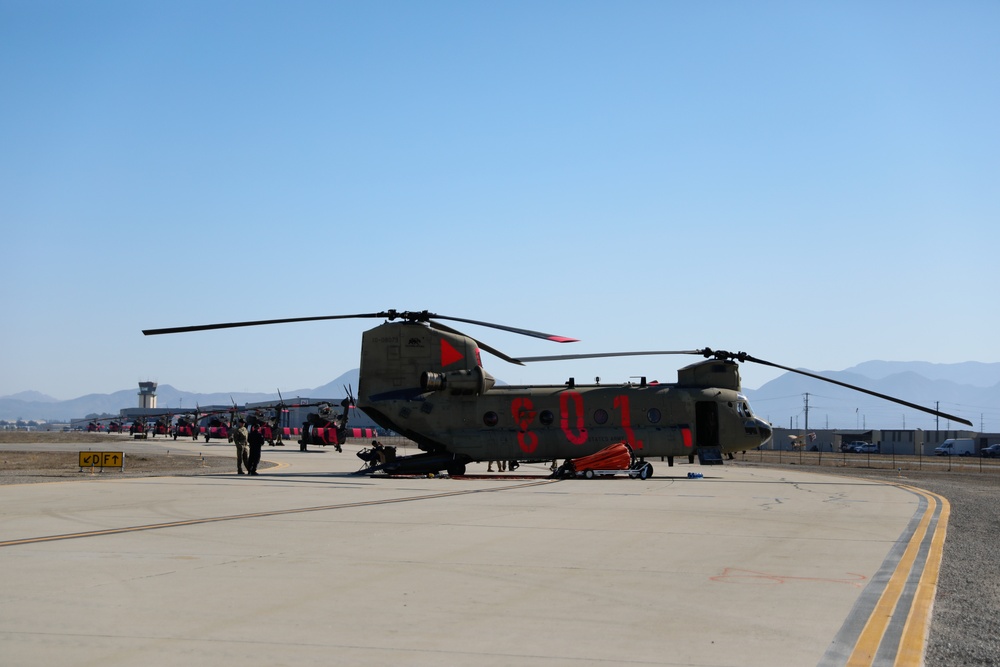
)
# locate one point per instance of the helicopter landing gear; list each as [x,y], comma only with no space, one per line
[456,469]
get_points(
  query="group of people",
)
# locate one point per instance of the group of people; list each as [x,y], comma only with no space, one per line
[248,446]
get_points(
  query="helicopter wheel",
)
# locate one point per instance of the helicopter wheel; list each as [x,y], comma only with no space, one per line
[646,471]
[588,473]
[456,469]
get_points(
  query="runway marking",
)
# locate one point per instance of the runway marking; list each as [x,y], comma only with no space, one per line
[914,636]
[732,575]
[889,622]
[256,515]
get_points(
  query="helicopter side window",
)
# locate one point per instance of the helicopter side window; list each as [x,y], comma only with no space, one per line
[653,415]
[601,416]
[546,417]
[490,418]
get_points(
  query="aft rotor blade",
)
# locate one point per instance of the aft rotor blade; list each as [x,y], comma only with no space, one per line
[255,323]
[503,327]
[861,389]
[482,346]
[598,355]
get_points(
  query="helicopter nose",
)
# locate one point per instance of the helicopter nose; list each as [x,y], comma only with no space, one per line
[764,429]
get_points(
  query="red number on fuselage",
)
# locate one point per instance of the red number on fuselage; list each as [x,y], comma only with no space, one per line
[579,435]
[621,403]
[524,413]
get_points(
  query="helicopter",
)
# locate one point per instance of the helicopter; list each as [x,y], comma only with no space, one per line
[99,424]
[268,416]
[217,427]
[324,427]
[116,425]
[187,425]
[799,442]
[426,381]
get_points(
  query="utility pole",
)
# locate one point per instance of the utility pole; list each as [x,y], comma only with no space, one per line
[807,413]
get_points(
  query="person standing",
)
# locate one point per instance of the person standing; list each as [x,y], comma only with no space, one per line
[239,439]
[256,440]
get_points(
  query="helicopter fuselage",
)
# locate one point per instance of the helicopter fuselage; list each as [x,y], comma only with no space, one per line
[429,385]
[558,421]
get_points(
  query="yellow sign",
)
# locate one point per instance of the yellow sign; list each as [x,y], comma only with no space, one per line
[102,460]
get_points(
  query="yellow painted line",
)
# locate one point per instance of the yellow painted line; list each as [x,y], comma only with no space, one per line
[914,639]
[871,636]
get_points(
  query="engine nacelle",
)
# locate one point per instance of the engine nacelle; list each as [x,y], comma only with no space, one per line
[467,382]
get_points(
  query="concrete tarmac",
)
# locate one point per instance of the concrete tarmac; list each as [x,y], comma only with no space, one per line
[307,564]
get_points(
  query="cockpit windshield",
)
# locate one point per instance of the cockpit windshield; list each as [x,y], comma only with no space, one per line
[743,407]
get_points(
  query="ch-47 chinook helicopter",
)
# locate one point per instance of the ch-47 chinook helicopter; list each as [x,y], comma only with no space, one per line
[425,381]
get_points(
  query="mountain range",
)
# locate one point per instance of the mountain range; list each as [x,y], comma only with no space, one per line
[32,405]
[970,390]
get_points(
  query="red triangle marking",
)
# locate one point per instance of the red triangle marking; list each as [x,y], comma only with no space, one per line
[449,354]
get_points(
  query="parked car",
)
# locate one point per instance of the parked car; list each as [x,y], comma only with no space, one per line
[991,452]
[867,448]
[853,446]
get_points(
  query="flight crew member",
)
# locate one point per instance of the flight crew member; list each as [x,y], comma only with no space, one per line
[256,441]
[239,437]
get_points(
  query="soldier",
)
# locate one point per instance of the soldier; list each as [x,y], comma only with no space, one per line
[239,438]
[256,441]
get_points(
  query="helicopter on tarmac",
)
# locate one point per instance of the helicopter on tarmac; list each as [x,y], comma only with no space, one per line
[324,427]
[268,416]
[187,425]
[98,424]
[116,425]
[425,381]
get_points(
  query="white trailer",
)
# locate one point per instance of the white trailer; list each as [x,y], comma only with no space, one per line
[956,447]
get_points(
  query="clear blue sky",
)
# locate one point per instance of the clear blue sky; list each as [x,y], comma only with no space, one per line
[814,183]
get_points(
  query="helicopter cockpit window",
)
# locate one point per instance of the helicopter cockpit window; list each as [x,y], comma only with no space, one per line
[743,408]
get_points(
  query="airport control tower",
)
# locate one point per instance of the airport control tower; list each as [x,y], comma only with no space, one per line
[147,394]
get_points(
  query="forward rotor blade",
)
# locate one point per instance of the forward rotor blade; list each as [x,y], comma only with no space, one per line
[597,355]
[234,325]
[861,389]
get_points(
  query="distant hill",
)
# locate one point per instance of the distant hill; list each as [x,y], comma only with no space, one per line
[968,390]
[973,373]
[33,396]
[32,405]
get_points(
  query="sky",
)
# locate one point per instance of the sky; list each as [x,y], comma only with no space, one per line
[813,183]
